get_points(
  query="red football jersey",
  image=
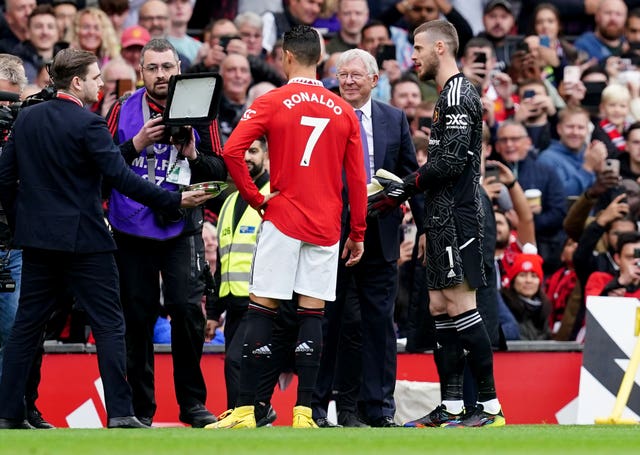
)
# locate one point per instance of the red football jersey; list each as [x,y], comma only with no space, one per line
[312,135]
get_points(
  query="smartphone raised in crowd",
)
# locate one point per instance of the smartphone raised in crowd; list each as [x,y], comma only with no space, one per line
[424,122]
[545,41]
[571,74]
[491,170]
[613,165]
[385,52]
[480,57]
[123,86]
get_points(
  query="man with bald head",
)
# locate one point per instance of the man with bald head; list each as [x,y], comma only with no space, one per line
[236,77]
[14,23]
[608,37]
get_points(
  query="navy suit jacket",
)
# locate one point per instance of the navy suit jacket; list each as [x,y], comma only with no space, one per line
[394,151]
[51,171]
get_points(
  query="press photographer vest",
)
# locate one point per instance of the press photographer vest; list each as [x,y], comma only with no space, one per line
[125,214]
[236,244]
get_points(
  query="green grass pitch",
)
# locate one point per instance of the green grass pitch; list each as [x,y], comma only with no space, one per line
[520,439]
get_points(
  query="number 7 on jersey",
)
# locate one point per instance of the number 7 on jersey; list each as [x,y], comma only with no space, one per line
[318,124]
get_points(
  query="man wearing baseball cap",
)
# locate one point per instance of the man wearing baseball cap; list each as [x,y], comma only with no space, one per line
[132,41]
[498,21]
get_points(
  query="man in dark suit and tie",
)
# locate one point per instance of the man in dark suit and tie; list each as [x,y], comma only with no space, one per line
[51,171]
[360,350]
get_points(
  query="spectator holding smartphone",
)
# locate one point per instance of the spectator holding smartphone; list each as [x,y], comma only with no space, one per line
[499,22]
[118,75]
[479,65]
[548,27]
[225,39]
[537,112]
[375,35]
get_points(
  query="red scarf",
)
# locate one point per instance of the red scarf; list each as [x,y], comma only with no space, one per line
[614,134]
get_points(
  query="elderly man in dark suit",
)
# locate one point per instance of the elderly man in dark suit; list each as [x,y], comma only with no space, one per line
[360,321]
[51,171]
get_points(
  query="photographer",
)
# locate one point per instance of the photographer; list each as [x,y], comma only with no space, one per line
[626,282]
[51,170]
[13,81]
[151,243]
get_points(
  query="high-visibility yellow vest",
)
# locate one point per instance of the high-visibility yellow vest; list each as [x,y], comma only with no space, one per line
[236,245]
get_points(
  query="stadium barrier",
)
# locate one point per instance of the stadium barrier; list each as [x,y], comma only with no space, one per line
[536,381]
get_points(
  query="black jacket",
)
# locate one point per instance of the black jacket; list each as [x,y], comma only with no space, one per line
[51,171]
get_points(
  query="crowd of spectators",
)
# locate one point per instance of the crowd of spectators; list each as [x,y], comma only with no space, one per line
[560,89]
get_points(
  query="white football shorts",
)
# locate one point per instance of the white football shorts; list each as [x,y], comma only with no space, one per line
[282,264]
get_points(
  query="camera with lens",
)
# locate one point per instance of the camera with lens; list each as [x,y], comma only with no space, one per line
[9,113]
[175,134]
[7,283]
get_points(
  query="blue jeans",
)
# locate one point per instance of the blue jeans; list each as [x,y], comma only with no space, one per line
[9,300]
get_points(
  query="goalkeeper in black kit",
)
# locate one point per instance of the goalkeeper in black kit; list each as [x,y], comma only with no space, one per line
[454,231]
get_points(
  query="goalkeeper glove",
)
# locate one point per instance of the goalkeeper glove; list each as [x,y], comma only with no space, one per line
[393,194]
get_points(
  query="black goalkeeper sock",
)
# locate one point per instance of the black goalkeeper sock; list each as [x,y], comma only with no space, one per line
[256,350]
[449,358]
[474,339]
[307,352]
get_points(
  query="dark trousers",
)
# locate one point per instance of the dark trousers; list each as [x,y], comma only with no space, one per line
[359,359]
[93,279]
[340,370]
[283,340]
[180,262]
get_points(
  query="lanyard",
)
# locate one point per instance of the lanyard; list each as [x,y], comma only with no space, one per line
[151,156]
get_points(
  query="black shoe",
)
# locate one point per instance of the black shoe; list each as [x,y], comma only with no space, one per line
[197,416]
[383,422]
[145,420]
[34,417]
[15,424]
[478,417]
[322,422]
[436,418]
[351,420]
[125,422]
[265,416]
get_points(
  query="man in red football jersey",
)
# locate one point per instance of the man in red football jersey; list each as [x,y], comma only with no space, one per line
[314,138]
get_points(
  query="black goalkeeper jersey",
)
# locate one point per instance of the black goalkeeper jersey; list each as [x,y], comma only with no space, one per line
[454,217]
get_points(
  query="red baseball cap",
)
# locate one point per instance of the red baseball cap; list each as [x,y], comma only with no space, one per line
[135,36]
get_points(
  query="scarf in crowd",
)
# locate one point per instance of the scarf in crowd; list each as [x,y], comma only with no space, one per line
[614,134]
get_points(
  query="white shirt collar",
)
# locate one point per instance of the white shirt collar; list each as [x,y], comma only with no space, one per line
[305,80]
[366,109]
